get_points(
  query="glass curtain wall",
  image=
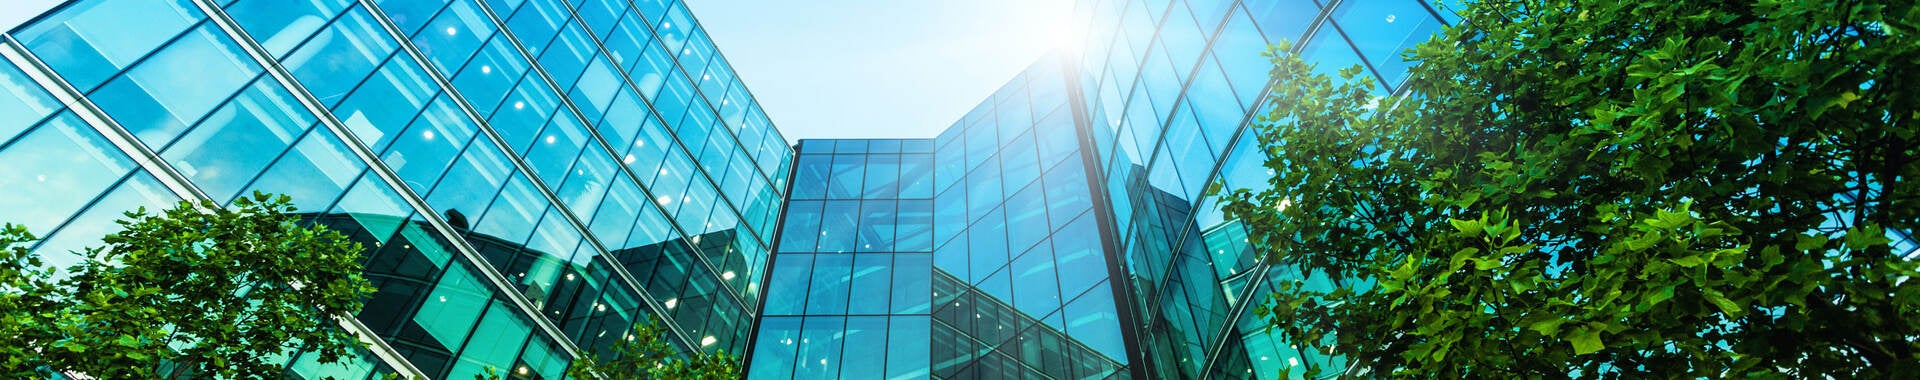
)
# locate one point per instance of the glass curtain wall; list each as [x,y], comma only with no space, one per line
[849,294]
[530,177]
[1170,89]
[995,252]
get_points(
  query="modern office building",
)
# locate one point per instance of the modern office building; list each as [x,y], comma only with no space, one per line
[1071,239]
[532,177]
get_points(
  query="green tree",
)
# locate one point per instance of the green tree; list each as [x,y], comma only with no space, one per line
[648,353]
[199,290]
[1585,188]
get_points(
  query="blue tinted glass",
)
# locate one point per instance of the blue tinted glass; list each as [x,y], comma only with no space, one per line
[409,15]
[875,233]
[1034,288]
[802,228]
[988,241]
[453,36]
[348,49]
[22,101]
[313,173]
[872,276]
[239,140]
[914,226]
[837,225]
[280,25]
[1092,320]
[1077,247]
[773,356]
[178,85]
[831,279]
[90,40]
[787,288]
[866,348]
[491,73]
[385,102]
[47,179]
[912,283]
[425,148]
[908,343]
[820,344]
[1026,218]
[470,184]
[1383,31]
[883,176]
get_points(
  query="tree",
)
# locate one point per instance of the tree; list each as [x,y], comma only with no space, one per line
[1582,188]
[647,353]
[199,290]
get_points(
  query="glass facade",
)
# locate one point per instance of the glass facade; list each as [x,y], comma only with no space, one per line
[1169,90]
[529,177]
[1071,239]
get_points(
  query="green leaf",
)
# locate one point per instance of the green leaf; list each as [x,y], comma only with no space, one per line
[1548,327]
[1809,242]
[1586,340]
[1720,300]
[1654,298]
[1467,227]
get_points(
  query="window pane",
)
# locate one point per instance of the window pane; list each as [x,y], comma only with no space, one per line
[876,226]
[819,353]
[912,283]
[330,64]
[847,170]
[914,226]
[239,140]
[872,274]
[91,40]
[831,276]
[907,347]
[54,170]
[866,348]
[179,84]
[802,228]
[141,190]
[1035,290]
[773,355]
[810,177]
[916,176]
[837,223]
[315,172]
[279,25]
[22,102]
[377,109]
[883,176]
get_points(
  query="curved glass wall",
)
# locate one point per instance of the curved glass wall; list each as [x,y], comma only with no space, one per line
[529,177]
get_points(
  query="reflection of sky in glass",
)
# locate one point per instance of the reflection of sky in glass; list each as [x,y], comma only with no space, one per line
[17,12]
[878,68]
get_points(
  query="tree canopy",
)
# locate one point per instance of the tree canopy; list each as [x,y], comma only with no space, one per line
[1585,188]
[199,290]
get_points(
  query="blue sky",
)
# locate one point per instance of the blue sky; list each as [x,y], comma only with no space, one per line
[878,68]
[855,68]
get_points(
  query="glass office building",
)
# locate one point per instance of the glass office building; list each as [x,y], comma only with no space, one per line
[532,177]
[1071,240]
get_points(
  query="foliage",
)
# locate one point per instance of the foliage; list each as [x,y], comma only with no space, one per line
[647,353]
[198,290]
[1583,188]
